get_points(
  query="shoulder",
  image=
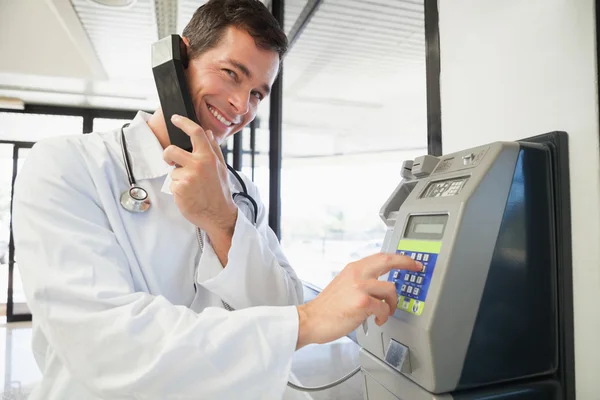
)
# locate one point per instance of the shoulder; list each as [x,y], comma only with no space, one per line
[63,152]
[63,159]
[55,153]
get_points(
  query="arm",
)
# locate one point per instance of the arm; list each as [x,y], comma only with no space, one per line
[257,271]
[115,340]
[351,297]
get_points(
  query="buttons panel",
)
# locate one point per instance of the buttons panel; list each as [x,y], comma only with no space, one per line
[412,286]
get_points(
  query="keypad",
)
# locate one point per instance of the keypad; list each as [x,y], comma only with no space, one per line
[412,286]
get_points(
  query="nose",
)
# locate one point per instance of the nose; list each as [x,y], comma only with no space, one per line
[240,100]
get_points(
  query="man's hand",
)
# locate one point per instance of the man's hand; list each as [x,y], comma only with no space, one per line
[352,296]
[200,183]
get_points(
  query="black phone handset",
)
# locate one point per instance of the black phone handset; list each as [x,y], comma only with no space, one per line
[169,60]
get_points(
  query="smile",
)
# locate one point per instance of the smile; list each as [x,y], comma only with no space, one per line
[218,116]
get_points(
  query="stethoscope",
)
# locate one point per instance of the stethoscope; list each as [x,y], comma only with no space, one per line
[136,200]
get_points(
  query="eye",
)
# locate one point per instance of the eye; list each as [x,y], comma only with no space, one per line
[231,73]
[258,95]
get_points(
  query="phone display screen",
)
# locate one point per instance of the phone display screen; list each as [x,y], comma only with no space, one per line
[426,227]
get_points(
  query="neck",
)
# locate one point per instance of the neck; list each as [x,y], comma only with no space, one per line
[159,128]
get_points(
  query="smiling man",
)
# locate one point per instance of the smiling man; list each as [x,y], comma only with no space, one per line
[137,305]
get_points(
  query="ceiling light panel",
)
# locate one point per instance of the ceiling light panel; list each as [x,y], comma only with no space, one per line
[122,37]
[358,70]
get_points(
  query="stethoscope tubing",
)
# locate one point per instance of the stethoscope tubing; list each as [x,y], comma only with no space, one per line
[133,186]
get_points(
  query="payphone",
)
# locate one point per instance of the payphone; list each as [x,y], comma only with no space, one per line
[490,314]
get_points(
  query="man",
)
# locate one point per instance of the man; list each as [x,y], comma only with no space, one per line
[132,305]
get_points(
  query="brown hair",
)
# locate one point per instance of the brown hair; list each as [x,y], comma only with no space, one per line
[206,28]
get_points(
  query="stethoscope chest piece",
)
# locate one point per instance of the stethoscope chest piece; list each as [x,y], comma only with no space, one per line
[135,199]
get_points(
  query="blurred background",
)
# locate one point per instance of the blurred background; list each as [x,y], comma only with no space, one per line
[353,108]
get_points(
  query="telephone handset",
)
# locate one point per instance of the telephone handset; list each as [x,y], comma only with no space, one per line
[169,59]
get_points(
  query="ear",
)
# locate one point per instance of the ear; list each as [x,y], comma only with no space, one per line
[184,45]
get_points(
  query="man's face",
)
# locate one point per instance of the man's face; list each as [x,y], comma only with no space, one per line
[228,82]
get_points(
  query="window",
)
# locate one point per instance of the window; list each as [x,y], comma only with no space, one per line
[23,127]
[6,167]
[354,109]
[260,175]
[19,300]
[108,124]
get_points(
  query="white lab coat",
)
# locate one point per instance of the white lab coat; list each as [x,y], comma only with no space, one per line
[124,305]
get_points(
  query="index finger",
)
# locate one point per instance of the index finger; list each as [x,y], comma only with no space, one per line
[194,131]
[378,264]
[215,146]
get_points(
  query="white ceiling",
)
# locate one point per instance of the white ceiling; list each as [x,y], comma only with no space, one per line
[354,81]
[25,45]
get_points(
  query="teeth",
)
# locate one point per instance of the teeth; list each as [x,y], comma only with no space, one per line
[219,116]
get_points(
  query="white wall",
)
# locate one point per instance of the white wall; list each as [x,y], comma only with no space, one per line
[512,69]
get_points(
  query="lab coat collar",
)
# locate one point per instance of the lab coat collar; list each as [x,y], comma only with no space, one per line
[145,151]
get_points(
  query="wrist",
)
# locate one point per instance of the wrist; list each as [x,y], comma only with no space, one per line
[224,228]
[220,236]
[304,332]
